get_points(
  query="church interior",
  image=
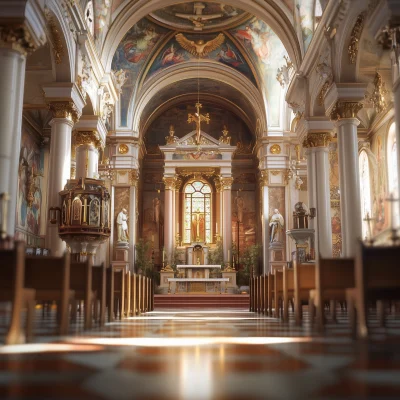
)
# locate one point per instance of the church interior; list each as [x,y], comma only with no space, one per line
[200,200]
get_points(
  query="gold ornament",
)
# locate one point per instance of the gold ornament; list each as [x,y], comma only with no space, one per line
[355,38]
[275,149]
[345,109]
[64,109]
[123,149]
[200,48]
[317,140]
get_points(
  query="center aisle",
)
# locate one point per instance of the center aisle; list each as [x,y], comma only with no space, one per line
[201,354]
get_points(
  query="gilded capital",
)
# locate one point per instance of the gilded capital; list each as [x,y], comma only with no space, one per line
[226,183]
[16,37]
[217,183]
[345,109]
[64,109]
[178,184]
[169,183]
[315,139]
[134,177]
[264,178]
[88,137]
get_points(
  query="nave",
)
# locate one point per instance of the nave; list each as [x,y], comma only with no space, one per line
[203,354]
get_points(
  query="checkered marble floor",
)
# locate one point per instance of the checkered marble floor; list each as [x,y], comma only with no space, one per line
[194,354]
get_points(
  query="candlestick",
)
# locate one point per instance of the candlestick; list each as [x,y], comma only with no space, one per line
[163,255]
[216,229]
[229,255]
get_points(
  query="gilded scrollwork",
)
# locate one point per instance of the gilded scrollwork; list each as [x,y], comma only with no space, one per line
[315,139]
[16,37]
[226,183]
[169,183]
[264,177]
[377,97]
[355,38]
[88,137]
[64,109]
[55,37]
[345,109]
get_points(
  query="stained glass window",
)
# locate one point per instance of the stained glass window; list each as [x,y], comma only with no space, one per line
[197,212]
[365,189]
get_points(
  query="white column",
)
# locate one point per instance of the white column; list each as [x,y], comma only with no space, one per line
[265,220]
[396,91]
[350,203]
[178,229]
[59,165]
[319,190]
[12,80]
[87,161]
[226,183]
[132,223]
[168,216]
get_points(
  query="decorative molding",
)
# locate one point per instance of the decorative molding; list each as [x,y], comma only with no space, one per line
[355,37]
[217,183]
[64,109]
[283,73]
[16,37]
[88,138]
[226,183]
[287,175]
[275,172]
[178,184]
[123,148]
[314,139]
[55,37]
[275,149]
[377,97]
[264,177]
[345,109]
[324,90]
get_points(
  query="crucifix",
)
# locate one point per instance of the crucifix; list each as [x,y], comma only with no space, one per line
[198,18]
[198,118]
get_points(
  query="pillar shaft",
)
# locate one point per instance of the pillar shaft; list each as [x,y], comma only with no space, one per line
[319,190]
[12,79]
[226,187]
[265,219]
[350,202]
[168,217]
[396,91]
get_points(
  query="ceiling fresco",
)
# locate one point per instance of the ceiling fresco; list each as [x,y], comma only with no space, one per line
[267,52]
[199,16]
[227,54]
[131,55]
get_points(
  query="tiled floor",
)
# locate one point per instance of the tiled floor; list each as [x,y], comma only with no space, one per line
[213,354]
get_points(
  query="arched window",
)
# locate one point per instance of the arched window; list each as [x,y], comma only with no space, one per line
[365,188]
[393,183]
[197,212]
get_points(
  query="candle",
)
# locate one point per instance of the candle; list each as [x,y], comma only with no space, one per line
[229,255]
[163,255]
[216,229]
[177,227]
[152,238]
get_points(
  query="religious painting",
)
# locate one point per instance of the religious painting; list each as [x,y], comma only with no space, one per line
[243,219]
[173,53]
[267,51]
[335,201]
[153,217]
[130,56]
[29,198]
[305,16]
[94,212]
[76,211]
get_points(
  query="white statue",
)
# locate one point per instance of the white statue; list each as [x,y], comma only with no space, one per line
[276,223]
[122,226]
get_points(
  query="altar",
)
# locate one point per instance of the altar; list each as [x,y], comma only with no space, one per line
[195,278]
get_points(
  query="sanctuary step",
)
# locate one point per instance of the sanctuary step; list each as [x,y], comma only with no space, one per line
[237,301]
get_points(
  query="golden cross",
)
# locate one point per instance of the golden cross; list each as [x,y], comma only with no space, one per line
[198,118]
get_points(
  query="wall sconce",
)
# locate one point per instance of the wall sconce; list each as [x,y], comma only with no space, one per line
[313,212]
[53,217]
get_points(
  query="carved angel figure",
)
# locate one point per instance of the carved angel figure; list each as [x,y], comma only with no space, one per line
[200,48]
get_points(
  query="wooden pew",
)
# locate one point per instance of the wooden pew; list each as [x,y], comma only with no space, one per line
[12,289]
[262,297]
[50,277]
[278,292]
[304,281]
[134,288]
[332,277]
[377,279]
[288,291]
[265,294]
[99,284]
[128,294]
[82,284]
[139,294]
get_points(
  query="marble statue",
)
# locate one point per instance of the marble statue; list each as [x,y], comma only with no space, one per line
[276,223]
[122,226]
